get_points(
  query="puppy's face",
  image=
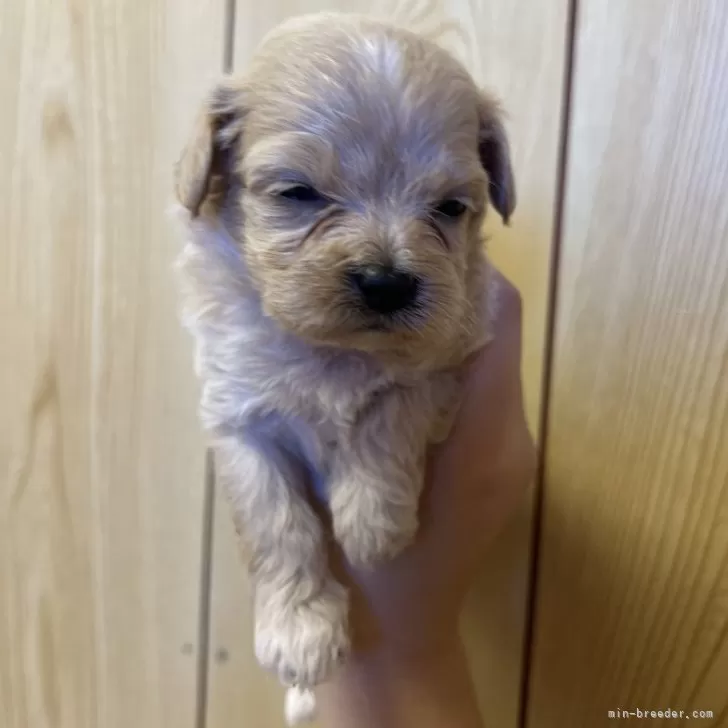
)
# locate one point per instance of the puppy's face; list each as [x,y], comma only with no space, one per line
[354,162]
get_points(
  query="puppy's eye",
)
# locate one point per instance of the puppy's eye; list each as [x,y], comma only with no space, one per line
[450,208]
[301,193]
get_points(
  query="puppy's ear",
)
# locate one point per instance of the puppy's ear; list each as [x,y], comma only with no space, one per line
[208,156]
[495,156]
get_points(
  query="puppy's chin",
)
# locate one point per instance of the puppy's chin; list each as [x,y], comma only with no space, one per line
[414,342]
[398,348]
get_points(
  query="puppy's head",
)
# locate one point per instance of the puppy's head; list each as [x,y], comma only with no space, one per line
[353,163]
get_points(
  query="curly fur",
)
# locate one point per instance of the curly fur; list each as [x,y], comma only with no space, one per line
[300,383]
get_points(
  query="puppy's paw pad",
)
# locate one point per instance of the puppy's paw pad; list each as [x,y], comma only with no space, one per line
[304,642]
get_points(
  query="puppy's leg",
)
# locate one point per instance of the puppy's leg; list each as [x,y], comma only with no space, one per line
[377,477]
[300,611]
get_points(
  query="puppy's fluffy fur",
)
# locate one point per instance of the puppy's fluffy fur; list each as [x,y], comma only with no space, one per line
[301,382]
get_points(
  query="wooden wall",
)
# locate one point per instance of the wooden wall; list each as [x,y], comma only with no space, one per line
[123,602]
[100,454]
[632,600]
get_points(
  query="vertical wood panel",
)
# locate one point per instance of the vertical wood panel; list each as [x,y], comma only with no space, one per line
[633,599]
[101,462]
[517,50]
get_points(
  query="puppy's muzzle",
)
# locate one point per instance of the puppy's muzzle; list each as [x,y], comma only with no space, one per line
[384,289]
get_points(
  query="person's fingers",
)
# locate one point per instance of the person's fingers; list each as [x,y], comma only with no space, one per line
[492,388]
[504,349]
[509,306]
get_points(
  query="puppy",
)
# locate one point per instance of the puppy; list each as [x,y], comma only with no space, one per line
[334,281]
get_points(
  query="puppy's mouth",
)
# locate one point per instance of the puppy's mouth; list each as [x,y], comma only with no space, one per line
[377,326]
[409,320]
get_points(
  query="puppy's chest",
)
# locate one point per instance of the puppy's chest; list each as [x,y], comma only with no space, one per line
[322,393]
[329,400]
[313,407]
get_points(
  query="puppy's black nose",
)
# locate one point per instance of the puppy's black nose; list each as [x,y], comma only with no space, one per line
[385,289]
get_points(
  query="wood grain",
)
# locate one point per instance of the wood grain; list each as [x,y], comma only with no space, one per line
[101,463]
[633,599]
[517,50]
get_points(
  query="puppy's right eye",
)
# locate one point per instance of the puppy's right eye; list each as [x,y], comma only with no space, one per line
[301,193]
[450,208]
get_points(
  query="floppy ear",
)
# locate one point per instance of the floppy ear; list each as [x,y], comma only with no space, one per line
[495,156]
[210,150]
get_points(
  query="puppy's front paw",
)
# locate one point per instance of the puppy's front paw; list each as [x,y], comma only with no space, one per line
[371,536]
[303,641]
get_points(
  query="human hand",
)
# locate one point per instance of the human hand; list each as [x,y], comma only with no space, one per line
[475,481]
[408,665]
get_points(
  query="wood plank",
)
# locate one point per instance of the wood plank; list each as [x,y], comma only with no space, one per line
[633,600]
[517,50]
[101,461]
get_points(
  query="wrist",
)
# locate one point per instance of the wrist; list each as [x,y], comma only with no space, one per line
[392,687]
[391,628]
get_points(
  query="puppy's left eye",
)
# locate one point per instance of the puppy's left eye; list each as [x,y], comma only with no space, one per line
[301,193]
[450,208]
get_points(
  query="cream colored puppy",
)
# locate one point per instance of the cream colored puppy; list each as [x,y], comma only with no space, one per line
[335,280]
